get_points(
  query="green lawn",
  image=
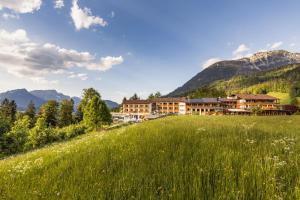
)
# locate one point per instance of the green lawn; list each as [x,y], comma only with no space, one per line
[188,157]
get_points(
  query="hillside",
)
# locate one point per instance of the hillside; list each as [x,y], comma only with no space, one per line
[212,158]
[225,70]
[277,82]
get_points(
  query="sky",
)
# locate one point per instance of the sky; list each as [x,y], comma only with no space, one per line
[122,47]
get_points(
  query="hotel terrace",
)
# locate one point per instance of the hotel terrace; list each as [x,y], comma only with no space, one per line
[239,104]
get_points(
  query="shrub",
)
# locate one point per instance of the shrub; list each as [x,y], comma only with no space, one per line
[17,137]
[40,134]
[70,131]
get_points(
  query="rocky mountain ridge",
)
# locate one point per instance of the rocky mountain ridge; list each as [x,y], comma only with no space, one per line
[224,70]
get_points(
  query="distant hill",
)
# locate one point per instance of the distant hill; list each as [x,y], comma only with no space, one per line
[53,94]
[39,97]
[22,98]
[49,95]
[225,70]
[111,104]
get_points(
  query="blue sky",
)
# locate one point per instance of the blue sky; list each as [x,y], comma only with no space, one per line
[124,46]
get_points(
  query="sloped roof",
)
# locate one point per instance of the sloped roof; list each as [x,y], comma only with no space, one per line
[138,101]
[256,97]
[176,100]
[204,100]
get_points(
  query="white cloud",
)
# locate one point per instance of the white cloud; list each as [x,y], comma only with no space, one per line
[240,51]
[210,61]
[83,18]
[276,45]
[22,57]
[59,4]
[21,6]
[105,63]
[292,44]
[43,80]
[81,76]
[10,16]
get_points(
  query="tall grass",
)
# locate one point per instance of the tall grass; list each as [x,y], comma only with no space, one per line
[188,157]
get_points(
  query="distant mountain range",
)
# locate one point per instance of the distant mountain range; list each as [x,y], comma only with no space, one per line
[225,70]
[39,97]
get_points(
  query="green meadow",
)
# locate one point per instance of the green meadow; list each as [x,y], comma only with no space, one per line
[181,157]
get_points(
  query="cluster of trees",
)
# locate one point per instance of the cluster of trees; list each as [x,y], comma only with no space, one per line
[154,95]
[151,96]
[54,121]
[295,93]
[206,92]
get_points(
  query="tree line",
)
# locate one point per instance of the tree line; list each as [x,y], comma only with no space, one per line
[53,121]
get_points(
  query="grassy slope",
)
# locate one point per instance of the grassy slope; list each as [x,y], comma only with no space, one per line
[188,157]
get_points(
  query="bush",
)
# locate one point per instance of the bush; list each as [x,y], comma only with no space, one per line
[40,134]
[17,137]
[70,131]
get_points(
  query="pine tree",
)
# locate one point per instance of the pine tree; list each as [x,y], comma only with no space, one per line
[88,95]
[157,95]
[134,97]
[49,112]
[13,110]
[105,115]
[91,117]
[65,113]
[30,112]
[151,96]
[8,110]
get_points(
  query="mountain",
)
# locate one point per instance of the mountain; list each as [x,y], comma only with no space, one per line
[22,98]
[277,82]
[54,95]
[49,95]
[39,97]
[225,70]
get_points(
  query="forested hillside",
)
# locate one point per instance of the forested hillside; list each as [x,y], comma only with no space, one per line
[281,82]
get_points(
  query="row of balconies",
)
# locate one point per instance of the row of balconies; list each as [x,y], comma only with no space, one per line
[137,110]
[136,106]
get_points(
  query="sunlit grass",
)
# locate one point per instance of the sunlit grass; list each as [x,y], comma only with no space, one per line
[188,157]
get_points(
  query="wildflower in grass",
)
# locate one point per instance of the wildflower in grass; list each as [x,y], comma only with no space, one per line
[286,149]
[201,130]
[248,126]
[280,164]
[249,141]
[38,162]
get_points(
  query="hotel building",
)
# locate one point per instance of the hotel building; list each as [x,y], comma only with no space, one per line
[234,104]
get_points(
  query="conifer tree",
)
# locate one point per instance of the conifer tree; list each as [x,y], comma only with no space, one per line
[30,112]
[8,110]
[88,95]
[49,111]
[65,112]
[91,117]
